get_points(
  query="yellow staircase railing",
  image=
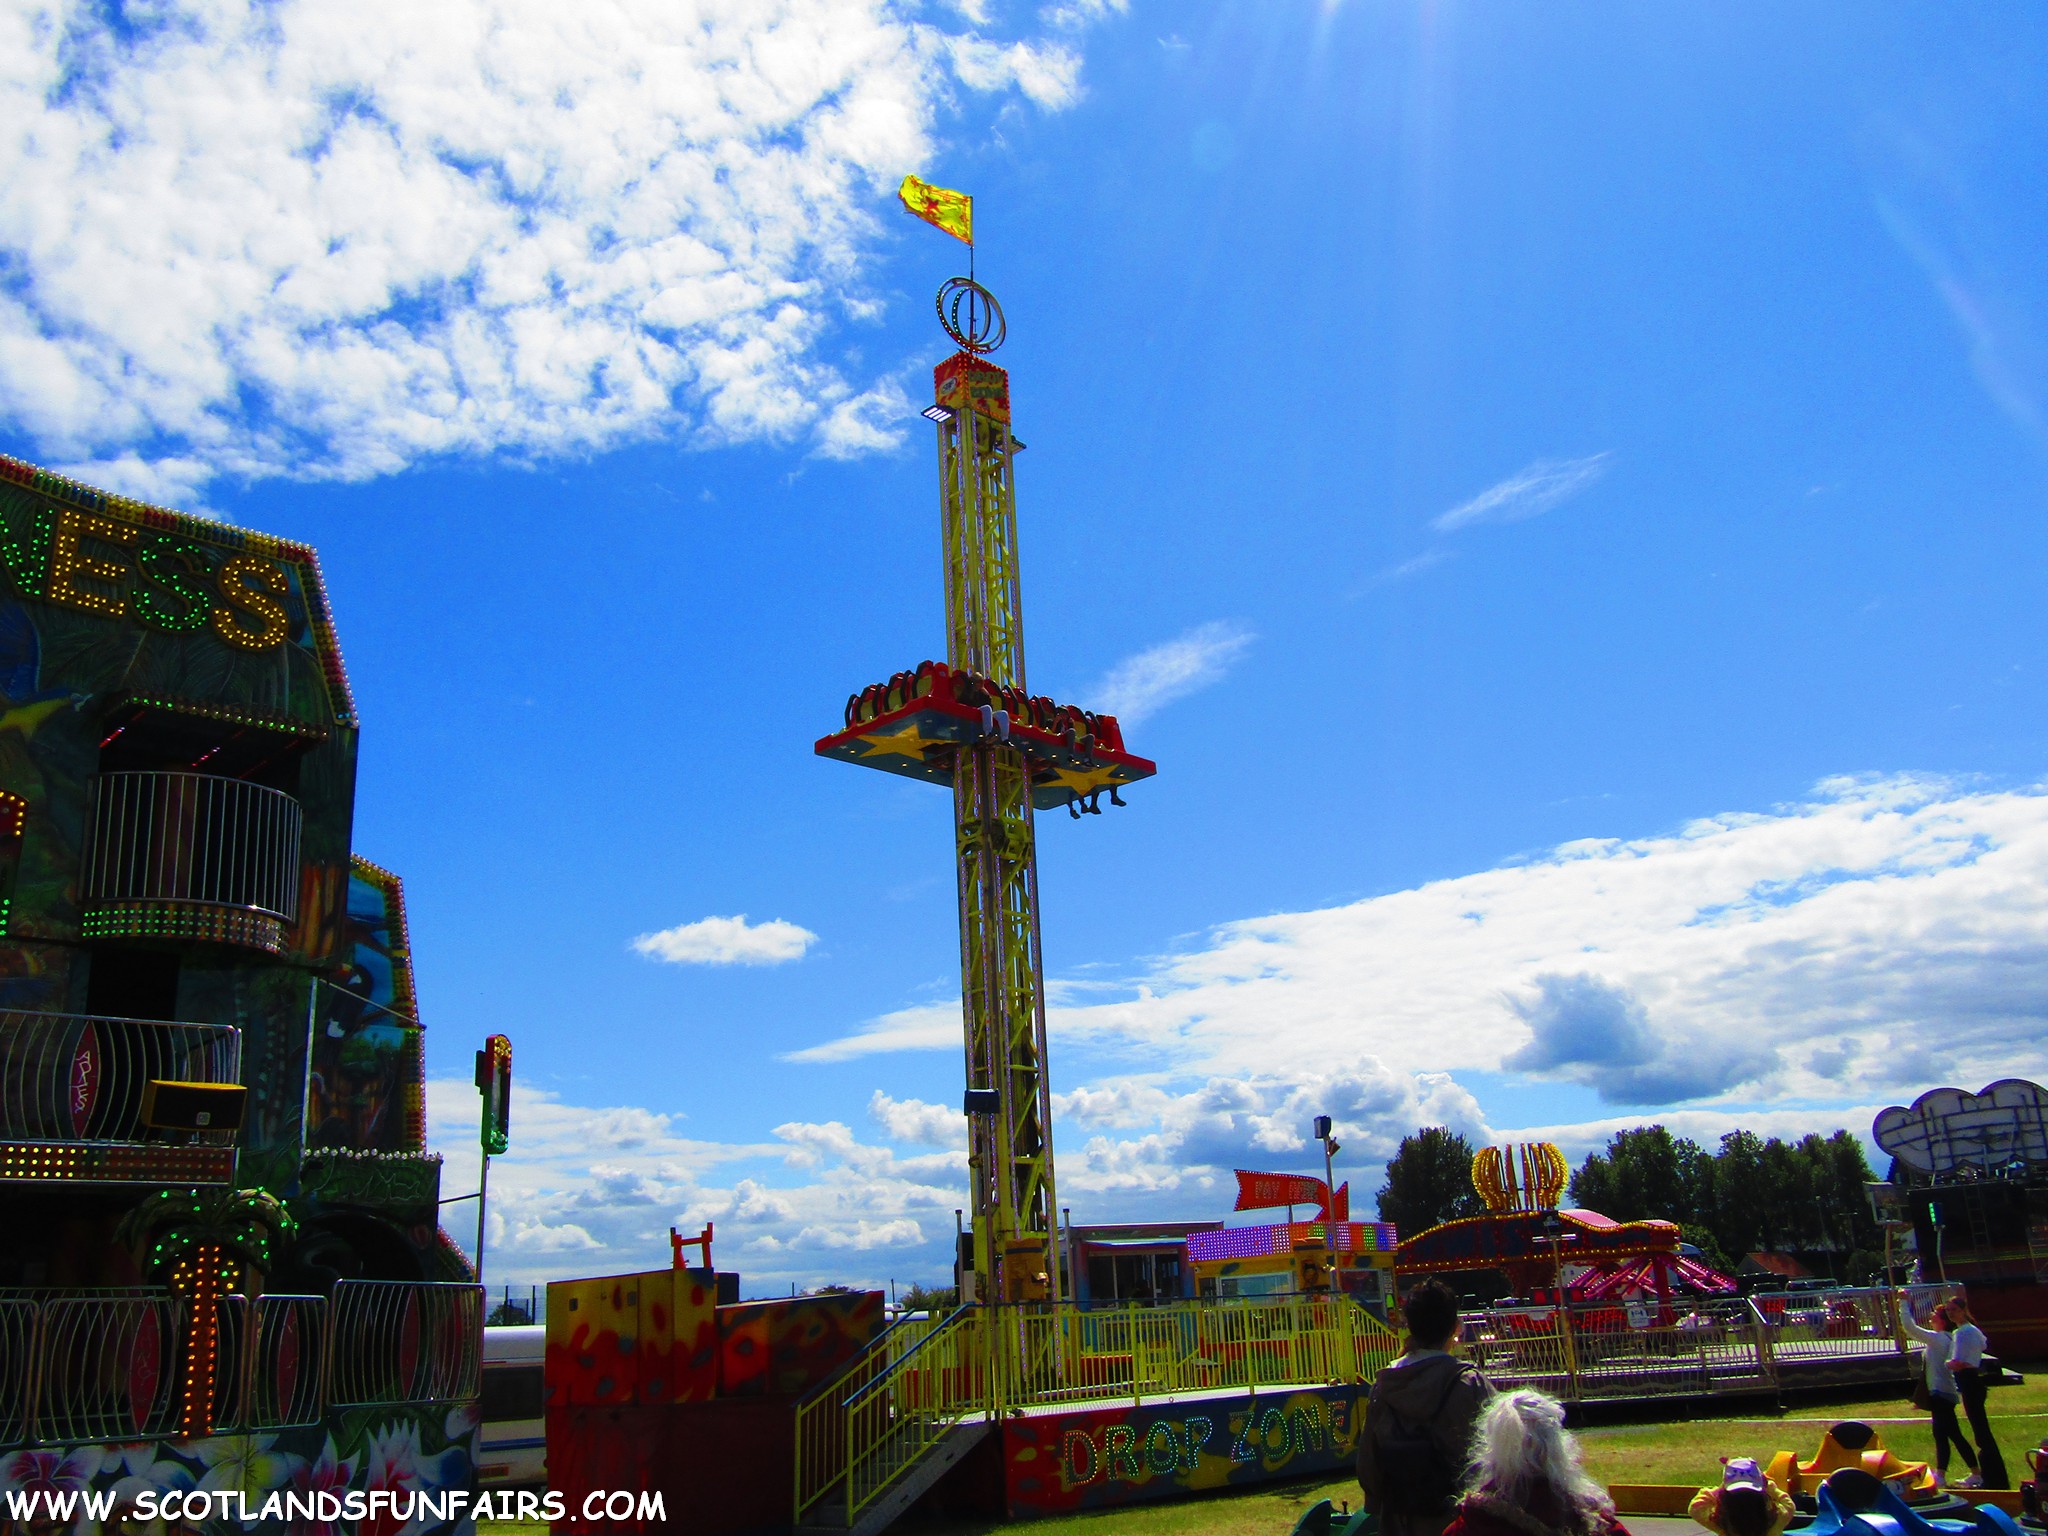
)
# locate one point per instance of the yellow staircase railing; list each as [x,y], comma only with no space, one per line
[876,1421]
[926,1377]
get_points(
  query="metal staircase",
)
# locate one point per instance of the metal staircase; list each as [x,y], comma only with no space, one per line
[875,1438]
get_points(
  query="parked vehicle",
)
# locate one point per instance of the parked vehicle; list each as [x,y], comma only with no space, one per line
[513,1448]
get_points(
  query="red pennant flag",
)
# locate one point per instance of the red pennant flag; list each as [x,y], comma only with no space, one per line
[1343,1202]
[1259,1191]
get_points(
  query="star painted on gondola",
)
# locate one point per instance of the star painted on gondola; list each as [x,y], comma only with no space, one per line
[908,742]
[1085,780]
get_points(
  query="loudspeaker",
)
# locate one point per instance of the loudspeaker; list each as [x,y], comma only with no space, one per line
[169,1106]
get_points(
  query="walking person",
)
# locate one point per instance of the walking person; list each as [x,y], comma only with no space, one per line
[1966,1362]
[1417,1436]
[1526,1477]
[1938,1344]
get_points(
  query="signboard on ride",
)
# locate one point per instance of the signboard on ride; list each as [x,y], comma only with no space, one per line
[1261,1191]
[494,1082]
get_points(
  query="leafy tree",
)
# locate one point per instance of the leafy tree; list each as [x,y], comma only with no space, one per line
[1740,1187]
[1645,1174]
[920,1298]
[1709,1246]
[1429,1181]
[1754,1193]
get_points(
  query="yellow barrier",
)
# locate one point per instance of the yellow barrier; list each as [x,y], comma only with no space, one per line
[924,1378]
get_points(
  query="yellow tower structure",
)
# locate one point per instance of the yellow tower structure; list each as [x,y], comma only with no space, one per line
[972,722]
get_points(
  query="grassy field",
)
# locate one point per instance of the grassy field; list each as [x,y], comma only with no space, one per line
[1672,1451]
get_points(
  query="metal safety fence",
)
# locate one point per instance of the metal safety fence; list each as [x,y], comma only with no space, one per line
[399,1342]
[287,1378]
[860,1432]
[1700,1346]
[107,1366]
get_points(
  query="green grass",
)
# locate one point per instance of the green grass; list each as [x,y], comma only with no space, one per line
[1686,1451]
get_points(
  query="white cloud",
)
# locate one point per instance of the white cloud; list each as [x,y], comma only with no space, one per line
[1877,909]
[1411,567]
[728,941]
[1708,1126]
[1082,13]
[1529,493]
[588,1190]
[926,1027]
[1146,683]
[863,1235]
[934,1125]
[318,239]
[1596,1032]
[2001,339]
[1781,971]
[1261,1120]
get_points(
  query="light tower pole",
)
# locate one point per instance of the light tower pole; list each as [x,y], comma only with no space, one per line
[972,722]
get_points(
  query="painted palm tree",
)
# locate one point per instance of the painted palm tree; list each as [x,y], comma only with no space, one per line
[201,1244]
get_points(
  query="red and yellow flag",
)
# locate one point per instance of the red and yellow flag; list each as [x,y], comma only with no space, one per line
[940,207]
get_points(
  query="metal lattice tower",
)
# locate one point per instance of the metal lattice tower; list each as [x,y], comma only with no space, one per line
[973,723]
[1002,977]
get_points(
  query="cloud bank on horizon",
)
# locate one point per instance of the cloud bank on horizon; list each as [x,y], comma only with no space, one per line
[296,239]
[1786,970]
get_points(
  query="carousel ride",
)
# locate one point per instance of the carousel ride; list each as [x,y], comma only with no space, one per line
[1548,1253]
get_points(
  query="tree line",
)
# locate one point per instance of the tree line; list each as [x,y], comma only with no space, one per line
[1751,1194]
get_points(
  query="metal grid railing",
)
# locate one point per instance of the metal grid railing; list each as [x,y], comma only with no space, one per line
[107,1366]
[193,837]
[400,1342]
[104,1368]
[17,1361]
[1692,1346]
[1066,1354]
[1830,1325]
[287,1374]
[79,1078]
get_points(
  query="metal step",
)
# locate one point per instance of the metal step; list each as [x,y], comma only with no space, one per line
[939,1458]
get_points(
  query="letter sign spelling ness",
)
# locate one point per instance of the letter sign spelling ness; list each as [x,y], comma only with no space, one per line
[111,567]
[494,1081]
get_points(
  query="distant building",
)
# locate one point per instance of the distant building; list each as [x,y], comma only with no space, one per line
[1125,1262]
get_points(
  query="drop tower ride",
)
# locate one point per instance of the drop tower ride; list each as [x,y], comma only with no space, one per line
[971,722]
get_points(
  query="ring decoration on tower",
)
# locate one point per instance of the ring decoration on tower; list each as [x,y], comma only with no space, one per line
[983,329]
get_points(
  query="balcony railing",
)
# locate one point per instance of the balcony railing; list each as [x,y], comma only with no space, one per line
[67,1077]
[193,838]
[107,1366]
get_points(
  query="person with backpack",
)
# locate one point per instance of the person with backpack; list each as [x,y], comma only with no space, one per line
[1416,1440]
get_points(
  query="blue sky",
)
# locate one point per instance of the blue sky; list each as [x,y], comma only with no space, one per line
[1557,491]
